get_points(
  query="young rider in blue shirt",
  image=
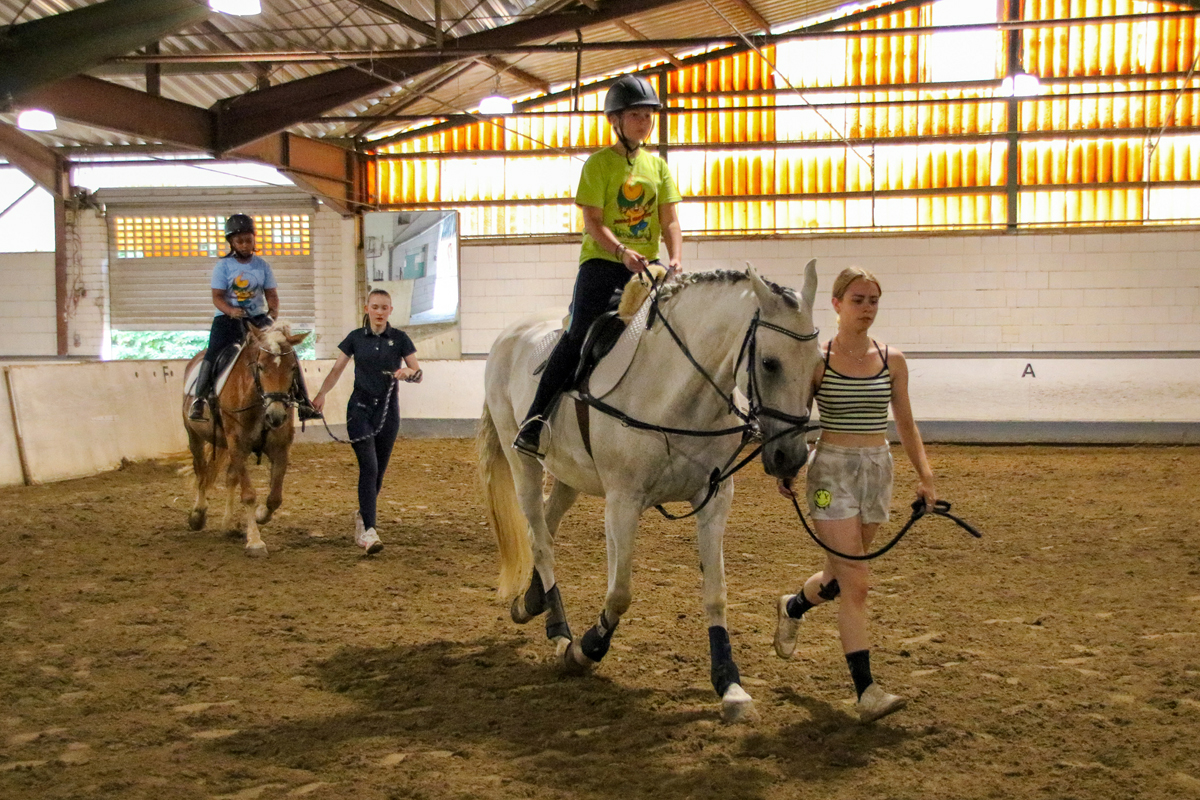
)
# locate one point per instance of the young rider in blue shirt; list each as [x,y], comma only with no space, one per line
[243,291]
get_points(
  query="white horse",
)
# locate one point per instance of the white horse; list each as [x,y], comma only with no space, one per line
[743,332]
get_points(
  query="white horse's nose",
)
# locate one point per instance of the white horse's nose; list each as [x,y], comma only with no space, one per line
[784,457]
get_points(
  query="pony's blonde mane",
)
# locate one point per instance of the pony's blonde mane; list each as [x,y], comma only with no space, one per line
[275,338]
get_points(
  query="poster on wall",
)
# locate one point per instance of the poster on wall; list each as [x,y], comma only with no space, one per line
[413,255]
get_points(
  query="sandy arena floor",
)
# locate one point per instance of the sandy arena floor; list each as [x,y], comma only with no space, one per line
[1058,657]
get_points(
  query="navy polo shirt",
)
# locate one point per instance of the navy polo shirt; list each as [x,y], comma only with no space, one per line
[376,358]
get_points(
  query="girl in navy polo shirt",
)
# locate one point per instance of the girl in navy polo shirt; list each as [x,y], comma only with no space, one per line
[380,353]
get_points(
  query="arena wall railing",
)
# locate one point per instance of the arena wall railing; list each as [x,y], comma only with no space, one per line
[62,421]
[69,420]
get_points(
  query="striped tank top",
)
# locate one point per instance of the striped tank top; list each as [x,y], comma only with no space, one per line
[855,405]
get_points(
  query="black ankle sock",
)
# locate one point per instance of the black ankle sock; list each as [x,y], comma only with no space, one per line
[798,605]
[860,669]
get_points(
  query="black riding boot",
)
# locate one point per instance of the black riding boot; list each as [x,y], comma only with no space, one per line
[529,435]
[204,387]
[304,406]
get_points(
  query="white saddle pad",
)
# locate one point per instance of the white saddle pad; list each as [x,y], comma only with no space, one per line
[542,350]
[189,383]
[612,368]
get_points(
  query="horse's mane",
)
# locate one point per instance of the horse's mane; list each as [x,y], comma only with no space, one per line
[718,277]
[275,338]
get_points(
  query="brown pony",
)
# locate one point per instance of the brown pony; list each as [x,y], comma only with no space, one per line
[254,416]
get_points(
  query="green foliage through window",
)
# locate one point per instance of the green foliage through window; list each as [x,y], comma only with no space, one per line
[175,344]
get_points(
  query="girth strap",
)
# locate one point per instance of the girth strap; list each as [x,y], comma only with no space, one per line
[581,416]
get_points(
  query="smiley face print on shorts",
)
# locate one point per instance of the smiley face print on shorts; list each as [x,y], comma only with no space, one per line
[822,498]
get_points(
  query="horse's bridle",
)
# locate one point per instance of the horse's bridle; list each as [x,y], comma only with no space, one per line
[267,398]
[750,429]
[753,394]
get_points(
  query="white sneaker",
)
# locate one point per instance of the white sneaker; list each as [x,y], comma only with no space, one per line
[876,703]
[359,528]
[369,541]
[785,628]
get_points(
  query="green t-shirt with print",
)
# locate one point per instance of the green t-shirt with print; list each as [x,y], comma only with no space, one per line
[629,196]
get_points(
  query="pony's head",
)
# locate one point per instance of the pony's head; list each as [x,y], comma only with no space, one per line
[274,363]
[782,359]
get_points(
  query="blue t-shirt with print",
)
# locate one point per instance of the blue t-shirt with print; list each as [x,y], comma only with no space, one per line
[244,285]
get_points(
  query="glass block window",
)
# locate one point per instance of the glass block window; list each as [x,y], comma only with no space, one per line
[200,236]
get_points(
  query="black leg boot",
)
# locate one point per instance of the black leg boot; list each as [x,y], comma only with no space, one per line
[204,387]
[529,435]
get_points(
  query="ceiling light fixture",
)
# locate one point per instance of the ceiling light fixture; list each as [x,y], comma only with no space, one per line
[238,8]
[495,103]
[35,119]
[1020,84]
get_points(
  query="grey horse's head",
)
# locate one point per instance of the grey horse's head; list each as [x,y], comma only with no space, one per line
[780,377]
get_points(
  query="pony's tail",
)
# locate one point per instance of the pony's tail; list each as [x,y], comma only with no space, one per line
[503,511]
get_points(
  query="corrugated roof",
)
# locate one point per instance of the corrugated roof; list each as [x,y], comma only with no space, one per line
[320,29]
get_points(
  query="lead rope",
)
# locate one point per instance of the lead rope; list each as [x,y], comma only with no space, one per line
[416,376]
[919,509]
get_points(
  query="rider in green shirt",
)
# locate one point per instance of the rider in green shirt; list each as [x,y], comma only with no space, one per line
[629,203]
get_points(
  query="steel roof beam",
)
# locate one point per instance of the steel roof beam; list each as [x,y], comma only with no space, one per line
[251,116]
[636,34]
[116,108]
[518,74]
[411,23]
[41,164]
[40,52]
[758,19]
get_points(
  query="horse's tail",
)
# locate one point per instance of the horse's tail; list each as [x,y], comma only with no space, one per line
[504,513]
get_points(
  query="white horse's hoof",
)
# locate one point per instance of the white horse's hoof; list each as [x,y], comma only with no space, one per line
[561,645]
[517,612]
[736,705]
[574,662]
[256,551]
[262,514]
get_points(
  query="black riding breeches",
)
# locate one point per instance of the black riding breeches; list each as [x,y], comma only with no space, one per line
[373,452]
[228,331]
[595,286]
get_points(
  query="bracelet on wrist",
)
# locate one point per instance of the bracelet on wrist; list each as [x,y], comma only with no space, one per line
[620,254]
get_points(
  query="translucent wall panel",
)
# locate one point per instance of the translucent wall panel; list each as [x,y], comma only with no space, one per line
[889,130]
[1174,204]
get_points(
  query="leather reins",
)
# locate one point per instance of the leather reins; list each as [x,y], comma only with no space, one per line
[750,429]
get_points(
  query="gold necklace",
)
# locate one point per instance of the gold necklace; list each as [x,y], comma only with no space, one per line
[846,352]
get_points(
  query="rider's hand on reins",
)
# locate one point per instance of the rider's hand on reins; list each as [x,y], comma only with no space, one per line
[784,485]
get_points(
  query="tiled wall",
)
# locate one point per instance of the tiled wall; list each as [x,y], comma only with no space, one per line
[27,326]
[978,293]
[87,284]
[334,253]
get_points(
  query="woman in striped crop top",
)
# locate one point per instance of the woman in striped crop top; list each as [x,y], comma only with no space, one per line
[849,480]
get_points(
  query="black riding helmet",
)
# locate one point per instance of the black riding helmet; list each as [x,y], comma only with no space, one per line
[238,223]
[628,92]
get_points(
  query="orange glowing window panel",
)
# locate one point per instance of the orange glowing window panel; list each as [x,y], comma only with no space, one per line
[204,236]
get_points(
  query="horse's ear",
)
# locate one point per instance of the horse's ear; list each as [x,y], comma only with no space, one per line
[808,294]
[297,338]
[763,292]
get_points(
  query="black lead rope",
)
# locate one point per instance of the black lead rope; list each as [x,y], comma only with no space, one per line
[919,509]
[382,418]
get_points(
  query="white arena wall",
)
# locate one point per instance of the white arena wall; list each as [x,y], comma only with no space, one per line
[1055,337]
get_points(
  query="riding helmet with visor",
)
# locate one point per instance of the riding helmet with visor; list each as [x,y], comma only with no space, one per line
[238,223]
[630,91]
